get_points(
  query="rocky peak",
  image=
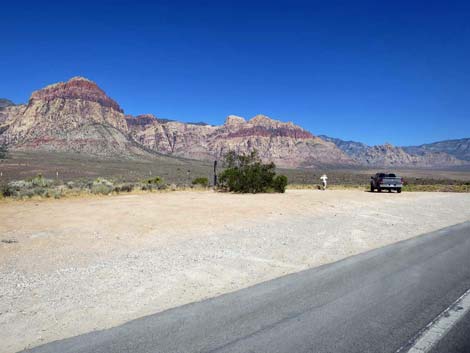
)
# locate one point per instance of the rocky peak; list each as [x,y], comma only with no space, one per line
[234,120]
[263,126]
[141,120]
[266,121]
[75,88]
[261,119]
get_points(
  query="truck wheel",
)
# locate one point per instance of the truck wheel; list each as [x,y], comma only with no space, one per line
[371,188]
[399,190]
[389,190]
[379,189]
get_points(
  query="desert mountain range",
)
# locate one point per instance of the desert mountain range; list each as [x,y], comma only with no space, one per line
[77,116]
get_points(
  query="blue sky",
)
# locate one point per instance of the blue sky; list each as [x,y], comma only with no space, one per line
[373,71]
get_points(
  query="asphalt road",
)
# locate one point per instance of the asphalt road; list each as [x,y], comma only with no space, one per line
[457,340]
[373,302]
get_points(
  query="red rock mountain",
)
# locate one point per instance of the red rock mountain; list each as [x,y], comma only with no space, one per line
[78,116]
[285,144]
[73,116]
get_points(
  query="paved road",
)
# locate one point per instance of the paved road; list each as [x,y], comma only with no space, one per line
[457,340]
[373,302]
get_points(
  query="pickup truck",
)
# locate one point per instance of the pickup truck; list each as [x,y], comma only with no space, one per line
[384,181]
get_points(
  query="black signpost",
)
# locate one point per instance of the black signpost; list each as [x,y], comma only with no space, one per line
[215,173]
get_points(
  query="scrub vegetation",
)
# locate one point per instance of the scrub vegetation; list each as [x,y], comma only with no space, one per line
[246,173]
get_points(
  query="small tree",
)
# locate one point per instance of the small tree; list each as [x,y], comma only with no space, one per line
[246,173]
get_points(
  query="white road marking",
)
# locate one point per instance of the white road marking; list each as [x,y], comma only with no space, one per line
[439,327]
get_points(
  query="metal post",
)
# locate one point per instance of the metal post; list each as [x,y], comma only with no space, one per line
[215,173]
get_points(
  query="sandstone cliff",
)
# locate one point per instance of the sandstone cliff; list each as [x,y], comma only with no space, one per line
[74,116]
[285,144]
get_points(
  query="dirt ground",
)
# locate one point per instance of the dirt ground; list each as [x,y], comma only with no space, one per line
[75,265]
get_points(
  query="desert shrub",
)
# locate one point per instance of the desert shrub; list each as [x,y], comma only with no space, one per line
[280,183]
[203,181]
[247,174]
[101,186]
[124,188]
[154,181]
[40,181]
[3,189]
[37,186]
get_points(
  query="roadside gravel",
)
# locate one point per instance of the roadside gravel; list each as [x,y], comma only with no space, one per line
[82,265]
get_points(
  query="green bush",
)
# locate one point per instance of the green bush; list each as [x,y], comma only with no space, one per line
[203,181]
[154,181]
[247,174]
[101,186]
[40,181]
[280,183]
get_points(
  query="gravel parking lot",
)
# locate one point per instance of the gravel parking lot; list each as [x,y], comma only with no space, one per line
[71,266]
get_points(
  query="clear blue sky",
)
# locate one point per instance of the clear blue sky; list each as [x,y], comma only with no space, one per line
[340,68]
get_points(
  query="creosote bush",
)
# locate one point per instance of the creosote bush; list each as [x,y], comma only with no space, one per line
[202,181]
[248,174]
[156,180]
[155,183]
[280,183]
[101,186]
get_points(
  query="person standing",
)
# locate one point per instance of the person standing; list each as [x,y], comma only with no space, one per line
[324,178]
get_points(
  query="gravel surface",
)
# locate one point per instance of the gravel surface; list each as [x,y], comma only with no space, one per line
[85,264]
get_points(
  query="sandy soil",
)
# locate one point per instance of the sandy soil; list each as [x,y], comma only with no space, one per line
[83,264]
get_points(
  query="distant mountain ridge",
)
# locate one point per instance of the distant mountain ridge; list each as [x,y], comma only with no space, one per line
[459,148]
[5,103]
[78,116]
[388,155]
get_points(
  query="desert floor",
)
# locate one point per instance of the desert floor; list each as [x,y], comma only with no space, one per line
[77,265]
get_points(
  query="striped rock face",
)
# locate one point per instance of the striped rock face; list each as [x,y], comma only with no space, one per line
[286,144]
[72,116]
